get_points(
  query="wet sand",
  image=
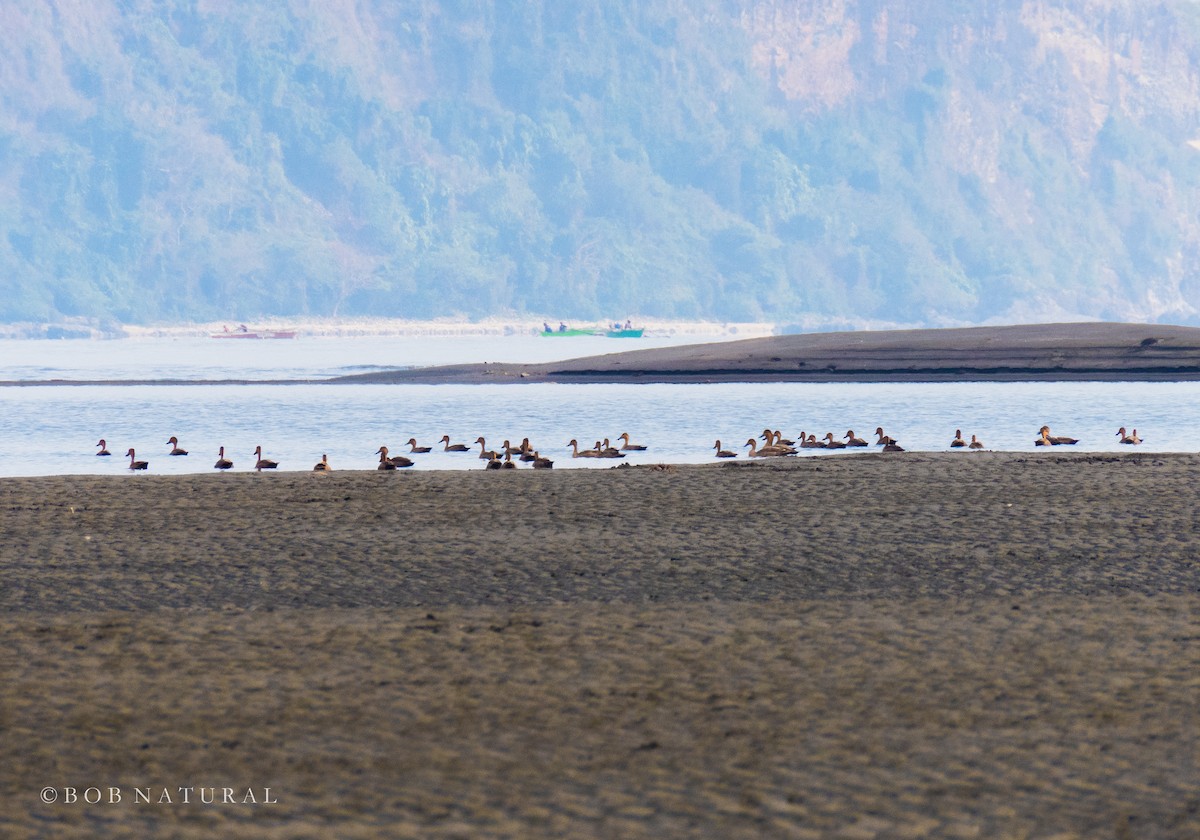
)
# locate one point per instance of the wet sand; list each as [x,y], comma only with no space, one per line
[914,645]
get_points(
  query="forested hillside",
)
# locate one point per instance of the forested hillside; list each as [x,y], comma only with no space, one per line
[811,161]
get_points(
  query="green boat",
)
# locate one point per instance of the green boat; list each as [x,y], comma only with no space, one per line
[605,333]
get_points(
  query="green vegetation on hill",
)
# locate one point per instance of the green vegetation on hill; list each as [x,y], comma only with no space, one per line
[861,162]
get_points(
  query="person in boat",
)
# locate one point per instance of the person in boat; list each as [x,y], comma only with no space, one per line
[546,327]
[628,324]
[562,327]
[616,325]
[242,328]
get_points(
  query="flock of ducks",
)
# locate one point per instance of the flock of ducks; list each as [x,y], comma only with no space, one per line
[774,444]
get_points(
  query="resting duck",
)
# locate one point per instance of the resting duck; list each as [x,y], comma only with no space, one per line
[831,443]
[892,446]
[261,463]
[1055,441]
[809,441]
[975,443]
[633,447]
[884,440]
[135,464]
[175,450]
[813,443]
[723,453]
[412,443]
[223,463]
[852,440]
[493,463]
[508,463]
[958,439]
[1130,439]
[457,447]
[395,460]
[103,447]
[323,465]
[587,453]
[540,463]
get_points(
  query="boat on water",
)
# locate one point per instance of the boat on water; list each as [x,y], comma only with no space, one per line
[609,333]
[243,332]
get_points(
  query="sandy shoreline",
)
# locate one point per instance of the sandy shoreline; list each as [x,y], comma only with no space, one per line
[998,645]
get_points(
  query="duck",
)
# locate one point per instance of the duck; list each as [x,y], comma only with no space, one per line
[135,464]
[768,451]
[261,463]
[892,446]
[587,453]
[323,465]
[540,463]
[493,463]
[484,454]
[958,439]
[723,453]
[813,443]
[831,443]
[385,463]
[223,463]
[1130,439]
[607,451]
[412,443]
[853,440]
[175,450]
[632,447]
[809,441]
[1056,441]
[508,463]
[776,438]
[455,447]
[394,460]
[975,443]
[103,444]
[884,440]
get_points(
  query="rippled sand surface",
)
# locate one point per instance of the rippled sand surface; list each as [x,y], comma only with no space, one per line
[922,645]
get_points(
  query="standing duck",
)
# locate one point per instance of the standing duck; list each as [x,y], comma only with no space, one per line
[103,447]
[723,453]
[323,465]
[958,440]
[135,464]
[453,447]
[261,463]
[223,463]
[174,444]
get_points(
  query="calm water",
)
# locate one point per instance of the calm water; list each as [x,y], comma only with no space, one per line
[47,430]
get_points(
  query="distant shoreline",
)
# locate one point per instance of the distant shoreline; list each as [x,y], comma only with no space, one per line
[1073,352]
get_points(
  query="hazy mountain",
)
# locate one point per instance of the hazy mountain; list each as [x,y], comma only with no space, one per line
[729,159]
